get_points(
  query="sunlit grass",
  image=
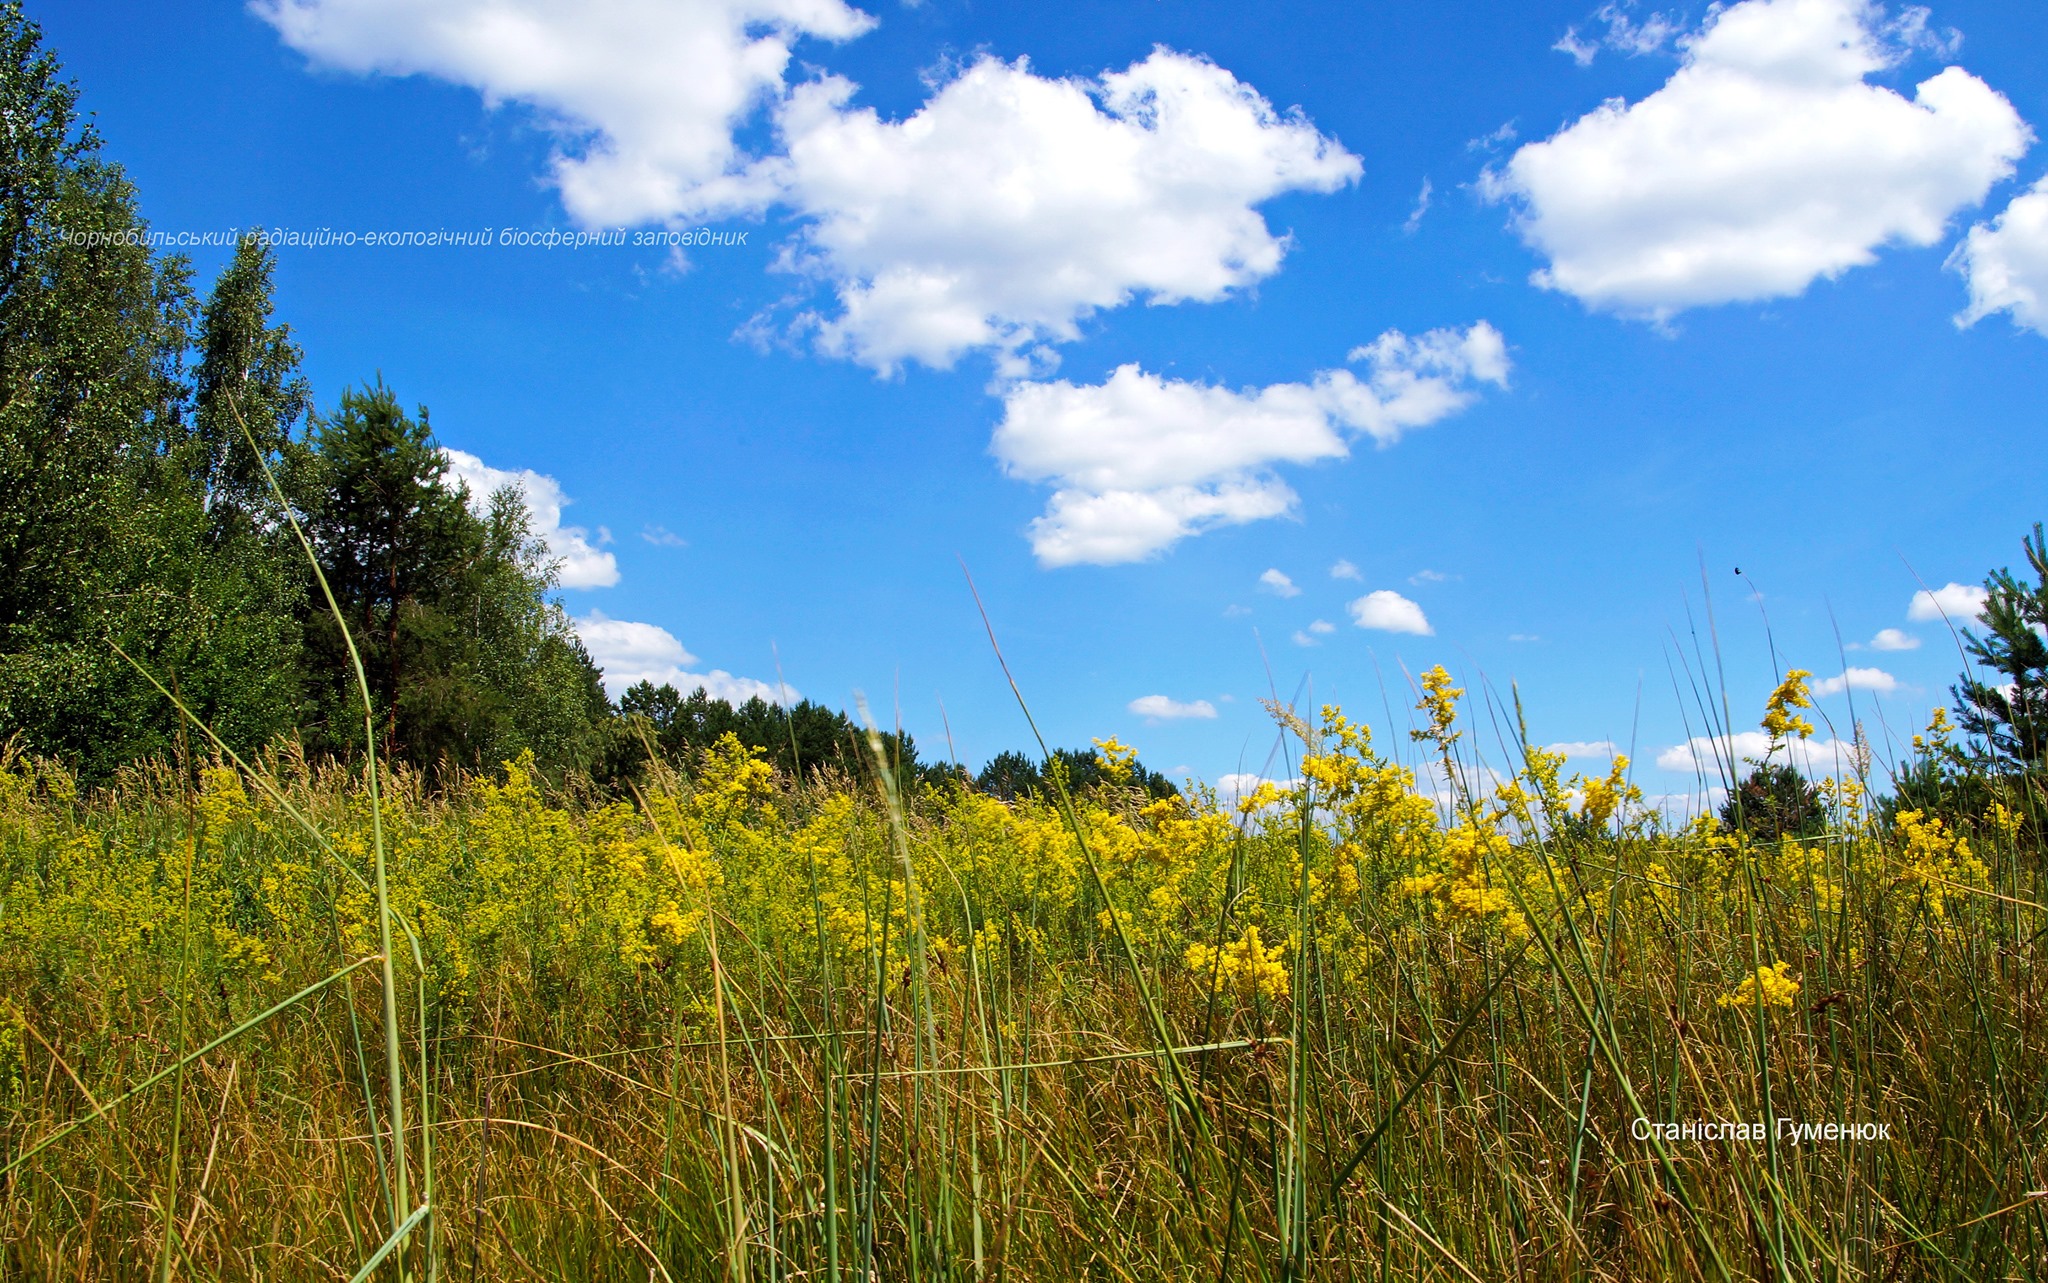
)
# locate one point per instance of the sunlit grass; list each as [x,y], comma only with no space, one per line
[1360,1025]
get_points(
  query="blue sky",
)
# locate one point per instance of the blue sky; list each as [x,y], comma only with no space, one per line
[1128,308]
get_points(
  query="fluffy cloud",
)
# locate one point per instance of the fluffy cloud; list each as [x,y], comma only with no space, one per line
[1718,755]
[1314,633]
[1275,581]
[2006,263]
[1010,206]
[1857,679]
[643,95]
[581,564]
[1766,161]
[1583,748]
[1894,639]
[1390,612]
[1952,602]
[1345,570]
[1163,709]
[998,216]
[1141,461]
[629,652]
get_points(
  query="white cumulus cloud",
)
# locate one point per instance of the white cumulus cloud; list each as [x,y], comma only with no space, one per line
[580,563]
[1141,461]
[1275,581]
[1163,708]
[1952,602]
[1011,206]
[1718,755]
[1857,679]
[998,216]
[1894,639]
[1390,612]
[1767,160]
[643,95]
[2005,262]
[1345,570]
[628,652]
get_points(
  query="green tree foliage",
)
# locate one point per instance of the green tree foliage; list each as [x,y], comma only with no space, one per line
[1776,802]
[467,659]
[106,514]
[2005,700]
[1011,774]
[136,514]
[797,740]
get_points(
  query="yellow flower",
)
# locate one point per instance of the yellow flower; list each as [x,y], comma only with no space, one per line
[1244,964]
[1779,719]
[1115,759]
[2002,821]
[1936,737]
[1936,860]
[1440,701]
[1603,797]
[1770,986]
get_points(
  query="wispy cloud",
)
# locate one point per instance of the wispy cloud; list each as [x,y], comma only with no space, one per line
[1582,748]
[1421,208]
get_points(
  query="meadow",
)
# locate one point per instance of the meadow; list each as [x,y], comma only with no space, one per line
[1409,1013]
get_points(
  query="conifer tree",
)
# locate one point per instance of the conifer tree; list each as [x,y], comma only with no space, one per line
[467,659]
[2005,701]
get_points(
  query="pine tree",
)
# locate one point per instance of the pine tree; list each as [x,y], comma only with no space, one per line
[1776,802]
[2005,701]
[468,661]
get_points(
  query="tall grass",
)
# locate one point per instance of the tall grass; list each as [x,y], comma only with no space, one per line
[1372,1023]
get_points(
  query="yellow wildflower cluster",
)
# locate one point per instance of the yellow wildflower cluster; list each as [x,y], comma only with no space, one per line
[1771,986]
[1780,722]
[1440,704]
[1246,965]
[1605,797]
[1116,759]
[1934,860]
[511,886]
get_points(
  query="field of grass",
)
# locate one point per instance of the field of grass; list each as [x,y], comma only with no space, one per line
[1389,1021]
